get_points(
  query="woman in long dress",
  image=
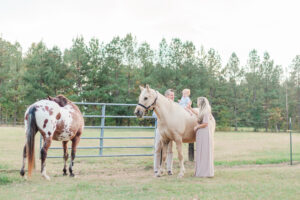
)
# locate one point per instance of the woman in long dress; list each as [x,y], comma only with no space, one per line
[204,165]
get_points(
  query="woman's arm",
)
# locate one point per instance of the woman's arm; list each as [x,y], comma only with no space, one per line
[200,126]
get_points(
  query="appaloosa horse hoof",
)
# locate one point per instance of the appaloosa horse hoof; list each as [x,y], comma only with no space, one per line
[170,173]
[22,173]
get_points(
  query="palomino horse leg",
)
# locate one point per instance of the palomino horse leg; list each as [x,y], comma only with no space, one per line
[170,158]
[66,156]
[157,157]
[157,152]
[75,142]
[22,172]
[47,143]
[180,157]
[164,156]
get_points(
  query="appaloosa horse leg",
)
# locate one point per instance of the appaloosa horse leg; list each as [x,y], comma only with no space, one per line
[180,158]
[66,156]
[22,172]
[75,142]
[47,143]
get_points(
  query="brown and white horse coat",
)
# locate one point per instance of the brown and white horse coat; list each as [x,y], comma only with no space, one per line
[55,118]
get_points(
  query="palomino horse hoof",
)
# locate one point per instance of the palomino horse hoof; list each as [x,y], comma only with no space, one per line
[170,173]
[180,175]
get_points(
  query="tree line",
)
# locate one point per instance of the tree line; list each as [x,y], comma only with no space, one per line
[255,95]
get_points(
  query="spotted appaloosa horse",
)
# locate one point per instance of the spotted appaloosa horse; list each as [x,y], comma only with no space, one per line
[55,118]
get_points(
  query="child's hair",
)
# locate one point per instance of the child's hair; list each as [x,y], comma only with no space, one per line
[187,91]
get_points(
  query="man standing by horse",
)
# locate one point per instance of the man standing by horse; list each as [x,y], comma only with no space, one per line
[157,155]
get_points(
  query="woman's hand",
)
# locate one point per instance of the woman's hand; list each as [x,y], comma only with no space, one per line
[200,126]
[196,128]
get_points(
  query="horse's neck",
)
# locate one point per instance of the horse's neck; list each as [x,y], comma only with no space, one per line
[162,107]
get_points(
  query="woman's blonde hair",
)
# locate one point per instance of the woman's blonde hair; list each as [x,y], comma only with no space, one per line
[204,107]
[188,91]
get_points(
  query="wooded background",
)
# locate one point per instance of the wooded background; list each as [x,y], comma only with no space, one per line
[257,95]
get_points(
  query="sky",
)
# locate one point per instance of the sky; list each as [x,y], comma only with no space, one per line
[227,26]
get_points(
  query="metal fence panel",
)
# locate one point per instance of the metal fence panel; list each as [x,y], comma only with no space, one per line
[102,127]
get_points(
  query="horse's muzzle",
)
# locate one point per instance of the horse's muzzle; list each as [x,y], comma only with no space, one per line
[139,113]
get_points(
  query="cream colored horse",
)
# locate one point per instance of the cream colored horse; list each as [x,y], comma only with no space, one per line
[173,122]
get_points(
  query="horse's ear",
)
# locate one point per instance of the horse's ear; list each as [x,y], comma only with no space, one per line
[49,98]
[147,87]
[141,88]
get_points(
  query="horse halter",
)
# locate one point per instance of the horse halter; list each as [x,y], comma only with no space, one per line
[147,108]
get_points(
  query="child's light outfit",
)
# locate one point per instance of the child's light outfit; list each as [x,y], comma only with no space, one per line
[184,101]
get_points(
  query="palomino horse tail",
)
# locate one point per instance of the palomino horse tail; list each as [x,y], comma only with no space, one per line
[30,133]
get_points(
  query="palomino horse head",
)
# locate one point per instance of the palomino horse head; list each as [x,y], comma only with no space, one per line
[147,101]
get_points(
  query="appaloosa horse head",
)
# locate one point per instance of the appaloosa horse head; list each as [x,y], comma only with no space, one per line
[61,100]
[55,118]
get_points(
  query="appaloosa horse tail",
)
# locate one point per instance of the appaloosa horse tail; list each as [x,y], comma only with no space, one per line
[30,133]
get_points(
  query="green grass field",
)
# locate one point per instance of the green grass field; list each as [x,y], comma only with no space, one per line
[247,166]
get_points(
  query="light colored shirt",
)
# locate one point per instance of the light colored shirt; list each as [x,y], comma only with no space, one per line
[184,101]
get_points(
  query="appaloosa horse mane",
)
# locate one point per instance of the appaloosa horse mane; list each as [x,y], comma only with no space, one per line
[61,100]
[56,118]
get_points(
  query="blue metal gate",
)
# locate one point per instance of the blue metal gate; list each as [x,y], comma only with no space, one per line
[102,127]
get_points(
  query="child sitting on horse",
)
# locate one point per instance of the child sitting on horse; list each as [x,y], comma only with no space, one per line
[185,100]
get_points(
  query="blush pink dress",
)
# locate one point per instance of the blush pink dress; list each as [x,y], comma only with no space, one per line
[204,165]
